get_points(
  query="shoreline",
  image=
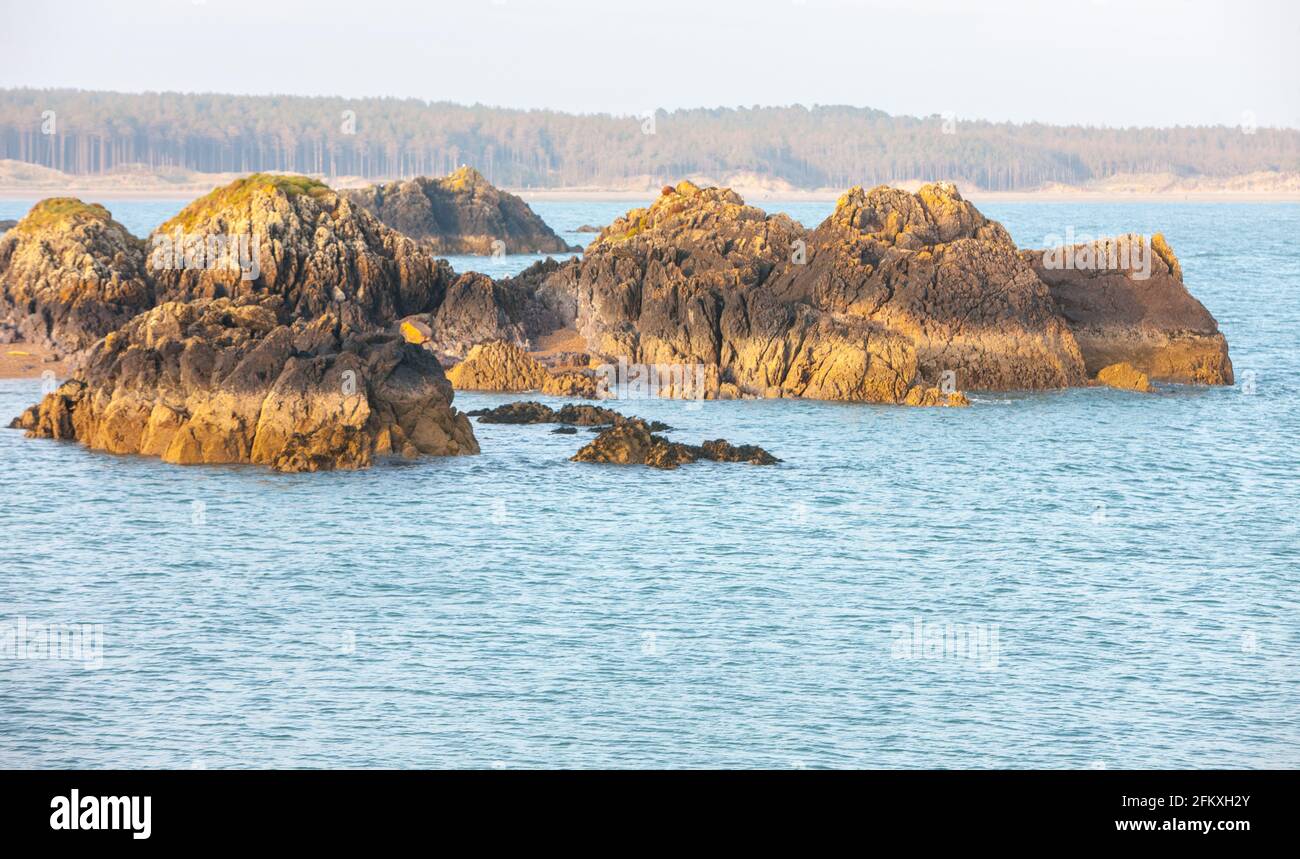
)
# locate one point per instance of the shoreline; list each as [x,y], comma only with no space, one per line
[751,195]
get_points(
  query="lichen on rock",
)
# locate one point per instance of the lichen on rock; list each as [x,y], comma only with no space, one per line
[69,274]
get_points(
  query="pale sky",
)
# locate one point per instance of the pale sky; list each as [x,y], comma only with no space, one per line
[1097,62]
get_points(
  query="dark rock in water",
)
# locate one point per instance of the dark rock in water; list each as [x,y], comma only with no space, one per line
[460,214]
[69,274]
[1125,303]
[530,412]
[634,444]
[7,225]
[588,228]
[564,430]
[222,381]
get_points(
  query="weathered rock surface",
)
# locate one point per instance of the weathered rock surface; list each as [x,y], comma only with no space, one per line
[224,381]
[1125,376]
[293,237]
[576,415]
[460,214]
[893,292]
[634,444]
[69,274]
[895,297]
[502,366]
[1139,314]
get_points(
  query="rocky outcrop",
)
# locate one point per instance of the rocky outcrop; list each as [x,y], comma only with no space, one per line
[896,297]
[224,381]
[893,292]
[293,237]
[1126,377]
[502,366]
[460,214]
[69,274]
[8,224]
[1125,302]
[574,415]
[634,444]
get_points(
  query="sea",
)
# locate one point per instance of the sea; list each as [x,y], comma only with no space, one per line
[1089,578]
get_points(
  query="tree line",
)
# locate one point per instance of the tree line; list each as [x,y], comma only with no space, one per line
[86,132]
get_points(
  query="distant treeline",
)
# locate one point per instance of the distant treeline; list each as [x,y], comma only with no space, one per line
[818,147]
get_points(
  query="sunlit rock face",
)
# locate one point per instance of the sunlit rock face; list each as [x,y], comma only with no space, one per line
[69,274]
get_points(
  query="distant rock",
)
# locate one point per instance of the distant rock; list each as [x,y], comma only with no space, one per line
[1125,302]
[293,237]
[634,444]
[576,415]
[1125,376]
[7,225]
[588,228]
[502,366]
[460,214]
[69,274]
[222,381]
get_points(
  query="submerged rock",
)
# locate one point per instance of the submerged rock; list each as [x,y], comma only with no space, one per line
[1125,302]
[576,415]
[634,444]
[502,366]
[460,214]
[1125,376]
[69,274]
[222,381]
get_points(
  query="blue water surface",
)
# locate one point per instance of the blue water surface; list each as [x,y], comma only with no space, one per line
[1129,563]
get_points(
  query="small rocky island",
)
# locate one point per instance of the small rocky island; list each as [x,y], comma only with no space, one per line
[275,321]
[460,214]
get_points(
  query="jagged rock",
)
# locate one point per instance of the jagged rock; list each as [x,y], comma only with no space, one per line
[69,274]
[293,237]
[502,366]
[222,381]
[634,444]
[1125,376]
[860,309]
[943,283]
[565,431]
[1125,302]
[460,214]
[577,415]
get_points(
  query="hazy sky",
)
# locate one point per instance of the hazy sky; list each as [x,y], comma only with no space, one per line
[1105,62]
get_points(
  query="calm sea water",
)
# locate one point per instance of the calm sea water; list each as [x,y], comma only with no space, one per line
[1129,565]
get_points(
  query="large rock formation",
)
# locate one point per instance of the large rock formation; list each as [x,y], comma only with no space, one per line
[1125,302]
[69,274]
[895,297]
[224,381]
[294,237]
[460,214]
